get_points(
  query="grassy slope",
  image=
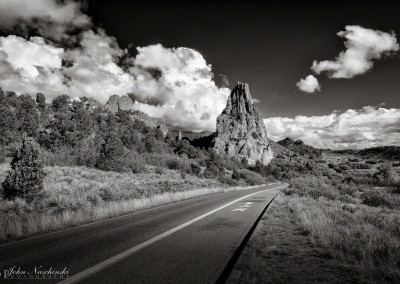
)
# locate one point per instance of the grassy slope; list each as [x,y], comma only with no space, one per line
[77,195]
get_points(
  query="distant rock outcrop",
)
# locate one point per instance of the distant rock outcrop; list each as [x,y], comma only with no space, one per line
[116,103]
[241,131]
[125,103]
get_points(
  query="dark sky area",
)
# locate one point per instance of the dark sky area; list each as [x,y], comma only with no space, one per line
[271,45]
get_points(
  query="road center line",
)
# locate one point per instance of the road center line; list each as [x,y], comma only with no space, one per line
[104,264]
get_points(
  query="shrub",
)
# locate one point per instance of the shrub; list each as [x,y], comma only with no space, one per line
[175,163]
[87,152]
[211,171]
[159,170]
[377,198]
[25,179]
[196,169]
[151,144]
[227,180]
[250,177]
[134,162]
[2,155]
[235,175]
[386,174]
[111,154]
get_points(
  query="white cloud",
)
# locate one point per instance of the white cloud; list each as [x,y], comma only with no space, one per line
[366,127]
[362,47]
[36,66]
[30,66]
[174,84]
[94,72]
[183,93]
[309,84]
[50,17]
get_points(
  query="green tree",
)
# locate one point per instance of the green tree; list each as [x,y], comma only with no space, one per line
[41,100]
[28,116]
[25,179]
[111,156]
[386,173]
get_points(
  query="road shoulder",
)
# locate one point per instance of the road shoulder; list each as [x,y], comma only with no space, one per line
[280,252]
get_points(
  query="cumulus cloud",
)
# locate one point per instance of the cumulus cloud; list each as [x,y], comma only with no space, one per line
[173,84]
[183,93]
[366,127]
[363,46]
[49,17]
[309,85]
[34,65]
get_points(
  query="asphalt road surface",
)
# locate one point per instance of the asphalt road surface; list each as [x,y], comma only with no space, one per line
[190,241]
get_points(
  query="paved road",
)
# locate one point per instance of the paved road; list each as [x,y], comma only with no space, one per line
[185,242]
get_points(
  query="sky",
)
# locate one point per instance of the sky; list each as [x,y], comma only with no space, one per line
[325,72]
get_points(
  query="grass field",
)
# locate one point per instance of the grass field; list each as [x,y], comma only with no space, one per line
[345,234]
[78,195]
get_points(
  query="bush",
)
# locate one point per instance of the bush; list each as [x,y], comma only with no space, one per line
[175,163]
[134,162]
[25,179]
[377,198]
[250,177]
[386,175]
[211,171]
[87,152]
[151,144]
[2,155]
[196,169]
[236,175]
[159,170]
[111,154]
[61,156]
[227,180]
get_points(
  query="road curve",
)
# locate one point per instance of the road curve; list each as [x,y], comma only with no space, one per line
[190,241]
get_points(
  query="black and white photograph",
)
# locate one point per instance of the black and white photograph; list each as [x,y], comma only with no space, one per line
[225,141]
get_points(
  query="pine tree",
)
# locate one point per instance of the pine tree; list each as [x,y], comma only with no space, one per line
[25,179]
[111,154]
[40,100]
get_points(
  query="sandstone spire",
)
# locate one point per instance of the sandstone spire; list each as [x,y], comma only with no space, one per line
[240,129]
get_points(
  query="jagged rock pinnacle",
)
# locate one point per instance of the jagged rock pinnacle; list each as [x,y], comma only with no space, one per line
[240,129]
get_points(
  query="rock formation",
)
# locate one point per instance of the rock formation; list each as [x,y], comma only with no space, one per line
[116,103]
[240,129]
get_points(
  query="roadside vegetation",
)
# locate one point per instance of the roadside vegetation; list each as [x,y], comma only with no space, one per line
[71,162]
[336,218]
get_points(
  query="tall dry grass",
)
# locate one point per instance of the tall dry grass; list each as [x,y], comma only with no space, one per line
[79,195]
[366,238]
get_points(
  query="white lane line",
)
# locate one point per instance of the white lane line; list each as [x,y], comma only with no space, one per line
[102,265]
[113,218]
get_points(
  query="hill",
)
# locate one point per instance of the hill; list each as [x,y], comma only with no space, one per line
[301,148]
[391,153]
